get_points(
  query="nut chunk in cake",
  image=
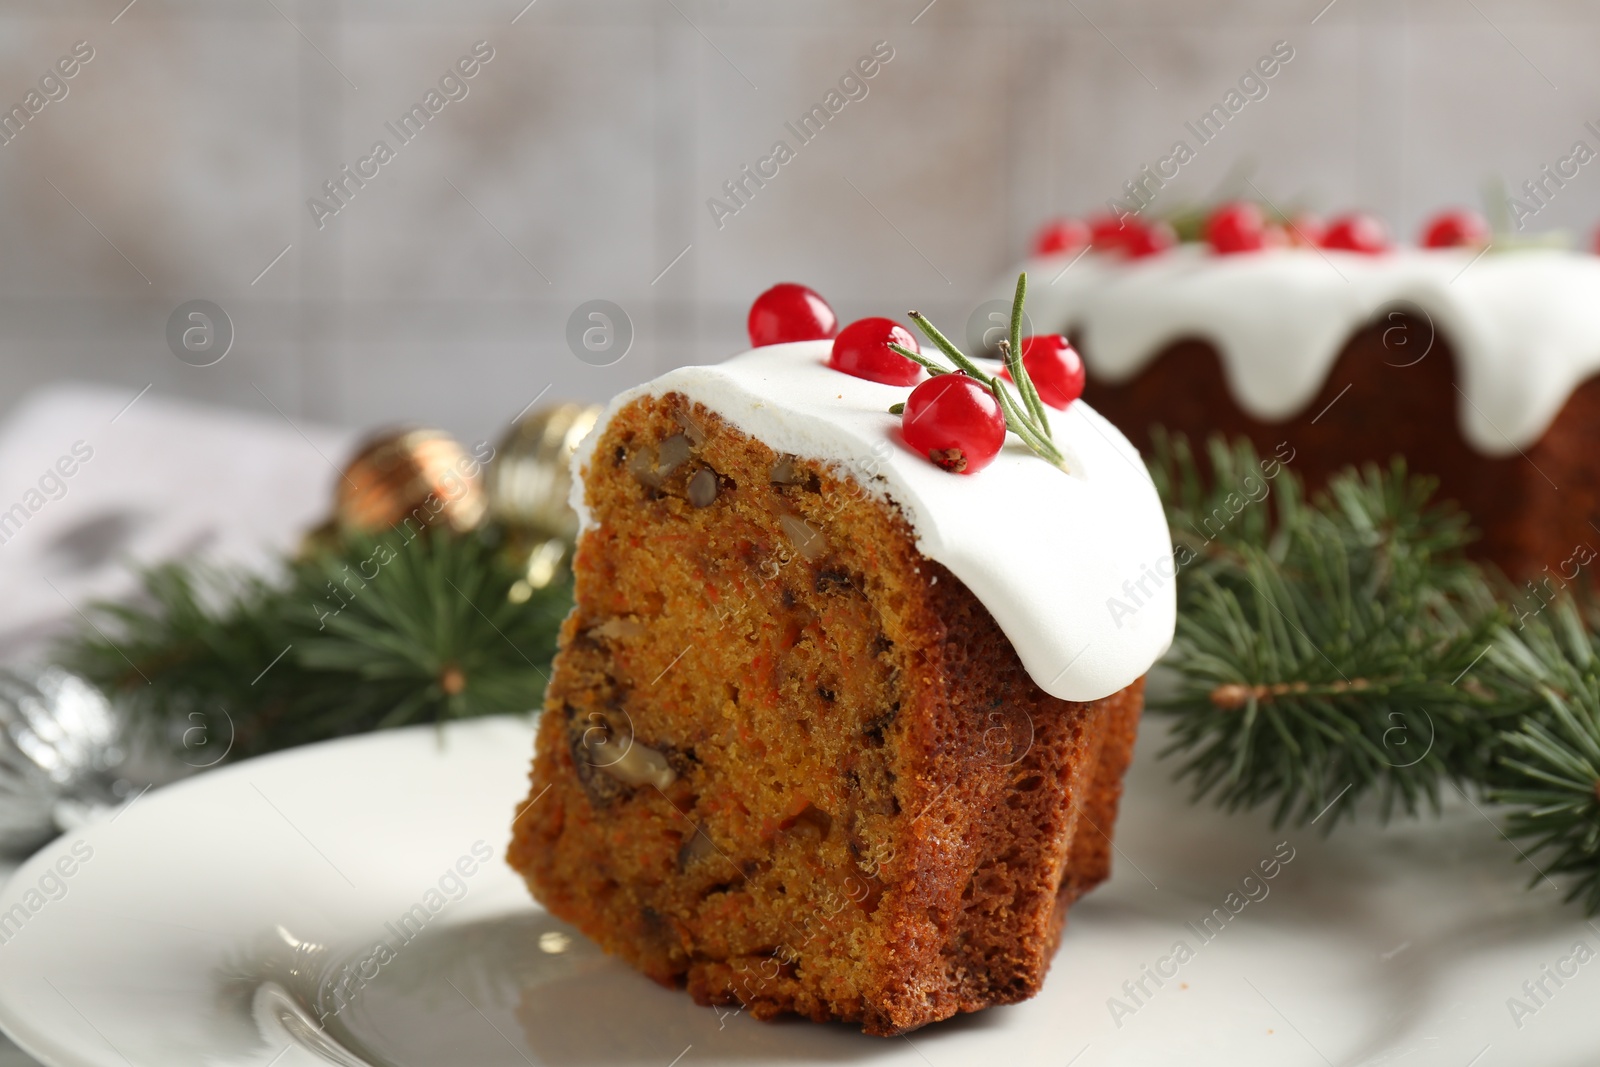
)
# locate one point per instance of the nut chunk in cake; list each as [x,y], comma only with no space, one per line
[835,730]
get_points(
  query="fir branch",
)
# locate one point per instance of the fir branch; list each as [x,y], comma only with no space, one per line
[1319,640]
[1345,645]
[1214,510]
[380,632]
[1549,767]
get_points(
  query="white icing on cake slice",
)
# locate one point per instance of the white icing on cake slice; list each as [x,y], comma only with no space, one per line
[1524,325]
[1076,568]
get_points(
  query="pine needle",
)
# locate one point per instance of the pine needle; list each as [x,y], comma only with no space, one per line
[378,633]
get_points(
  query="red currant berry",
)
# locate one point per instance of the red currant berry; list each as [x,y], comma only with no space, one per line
[862,349]
[790,312]
[1061,236]
[1456,229]
[955,421]
[1055,368]
[1357,232]
[1146,239]
[1306,231]
[1109,232]
[1237,227]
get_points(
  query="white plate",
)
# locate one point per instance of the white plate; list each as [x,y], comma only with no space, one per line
[212,921]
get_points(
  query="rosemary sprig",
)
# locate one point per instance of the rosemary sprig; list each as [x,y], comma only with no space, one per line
[1025,418]
[1011,352]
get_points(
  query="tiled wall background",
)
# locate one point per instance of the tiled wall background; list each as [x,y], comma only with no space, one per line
[578,167]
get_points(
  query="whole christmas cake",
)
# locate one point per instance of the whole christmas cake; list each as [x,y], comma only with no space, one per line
[1475,362]
[839,721]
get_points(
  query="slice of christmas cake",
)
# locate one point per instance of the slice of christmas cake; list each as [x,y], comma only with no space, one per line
[839,721]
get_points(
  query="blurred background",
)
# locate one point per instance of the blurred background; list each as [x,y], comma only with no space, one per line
[180,160]
[541,156]
[579,164]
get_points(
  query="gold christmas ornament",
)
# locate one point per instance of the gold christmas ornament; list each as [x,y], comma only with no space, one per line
[528,485]
[416,477]
[529,480]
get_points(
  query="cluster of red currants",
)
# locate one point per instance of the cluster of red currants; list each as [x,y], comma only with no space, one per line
[953,419]
[1242,226]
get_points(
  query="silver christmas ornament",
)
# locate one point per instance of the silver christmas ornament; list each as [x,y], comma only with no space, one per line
[59,750]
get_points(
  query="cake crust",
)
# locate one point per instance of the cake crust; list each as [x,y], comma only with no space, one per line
[1395,390]
[788,762]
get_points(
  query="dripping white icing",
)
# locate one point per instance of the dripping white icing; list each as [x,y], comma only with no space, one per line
[1524,325]
[1047,553]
